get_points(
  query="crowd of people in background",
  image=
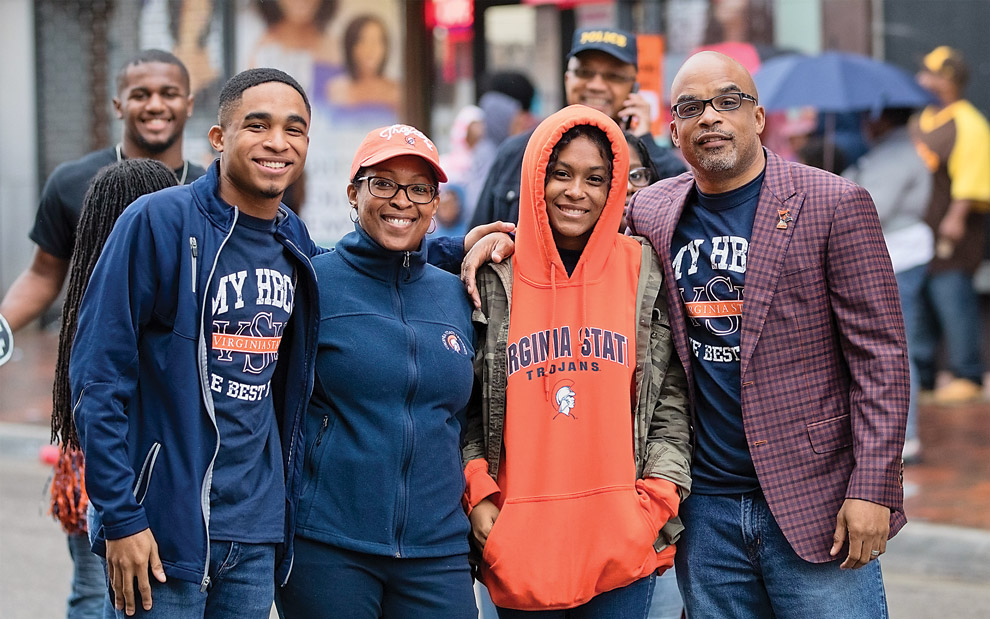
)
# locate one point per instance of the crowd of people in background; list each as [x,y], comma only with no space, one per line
[702,359]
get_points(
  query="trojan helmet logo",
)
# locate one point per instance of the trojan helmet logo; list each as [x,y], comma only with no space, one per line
[454,343]
[565,399]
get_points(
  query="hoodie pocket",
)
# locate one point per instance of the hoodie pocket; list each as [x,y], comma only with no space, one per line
[144,477]
[560,551]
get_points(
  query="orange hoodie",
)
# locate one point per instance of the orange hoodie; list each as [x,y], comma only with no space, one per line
[574,521]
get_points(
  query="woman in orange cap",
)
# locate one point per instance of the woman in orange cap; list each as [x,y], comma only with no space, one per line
[379,528]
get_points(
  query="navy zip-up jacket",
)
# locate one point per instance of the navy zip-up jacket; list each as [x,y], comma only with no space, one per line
[394,373]
[139,372]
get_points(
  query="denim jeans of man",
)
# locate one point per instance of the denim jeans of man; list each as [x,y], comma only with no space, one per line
[88,580]
[242,586]
[734,562]
[629,602]
[910,283]
[950,312]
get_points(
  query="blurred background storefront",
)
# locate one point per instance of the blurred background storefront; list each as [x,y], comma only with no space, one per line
[367,64]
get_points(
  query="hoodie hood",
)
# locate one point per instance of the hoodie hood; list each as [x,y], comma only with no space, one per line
[536,253]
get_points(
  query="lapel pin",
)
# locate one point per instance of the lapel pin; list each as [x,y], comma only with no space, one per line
[783,218]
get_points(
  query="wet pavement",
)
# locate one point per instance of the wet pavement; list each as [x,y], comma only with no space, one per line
[938,566]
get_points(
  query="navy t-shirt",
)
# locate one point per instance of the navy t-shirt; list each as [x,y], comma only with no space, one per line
[708,255]
[252,295]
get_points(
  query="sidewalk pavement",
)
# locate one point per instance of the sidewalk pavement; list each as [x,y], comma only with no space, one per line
[930,570]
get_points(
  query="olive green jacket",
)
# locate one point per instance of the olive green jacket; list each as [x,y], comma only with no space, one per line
[662,428]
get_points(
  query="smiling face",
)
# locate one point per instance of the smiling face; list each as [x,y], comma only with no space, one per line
[262,146]
[576,189]
[154,103]
[608,86]
[395,223]
[722,148]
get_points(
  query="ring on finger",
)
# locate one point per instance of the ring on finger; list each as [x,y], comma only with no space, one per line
[874,553]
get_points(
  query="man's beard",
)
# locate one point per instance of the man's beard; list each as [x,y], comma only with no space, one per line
[271,193]
[718,162]
[156,148]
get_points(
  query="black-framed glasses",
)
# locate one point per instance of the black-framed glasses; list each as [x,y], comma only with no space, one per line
[613,77]
[722,103]
[386,188]
[640,177]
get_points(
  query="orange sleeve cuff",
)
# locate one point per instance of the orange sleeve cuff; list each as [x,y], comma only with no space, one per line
[478,483]
[660,499]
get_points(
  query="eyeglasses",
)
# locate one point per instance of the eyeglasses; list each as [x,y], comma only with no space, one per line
[722,103]
[418,193]
[640,177]
[612,77]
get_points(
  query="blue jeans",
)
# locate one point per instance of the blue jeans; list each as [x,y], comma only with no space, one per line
[733,561]
[88,581]
[93,525]
[950,310]
[910,284]
[629,602]
[242,585]
[333,583]
[666,602]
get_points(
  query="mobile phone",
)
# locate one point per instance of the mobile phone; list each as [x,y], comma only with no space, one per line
[627,120]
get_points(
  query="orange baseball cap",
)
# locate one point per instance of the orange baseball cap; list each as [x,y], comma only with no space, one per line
[387,143]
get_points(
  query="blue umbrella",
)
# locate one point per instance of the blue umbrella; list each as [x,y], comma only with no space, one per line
[836,82]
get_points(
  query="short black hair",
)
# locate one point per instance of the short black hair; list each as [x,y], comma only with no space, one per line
[514,84]
[151,55]
[234,89]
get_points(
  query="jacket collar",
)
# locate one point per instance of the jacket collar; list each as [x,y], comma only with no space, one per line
[367,256]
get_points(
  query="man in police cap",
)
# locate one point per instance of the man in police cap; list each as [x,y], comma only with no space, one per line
[601,73]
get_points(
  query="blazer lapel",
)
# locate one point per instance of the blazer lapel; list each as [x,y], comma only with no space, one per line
[776,218]
[670,214]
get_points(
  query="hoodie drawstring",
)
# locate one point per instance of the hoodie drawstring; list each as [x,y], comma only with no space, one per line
[553,323]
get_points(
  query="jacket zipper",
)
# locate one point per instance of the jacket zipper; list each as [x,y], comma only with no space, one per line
[144,477]
[204,492]
[323,428]
[401,499]
[194,251]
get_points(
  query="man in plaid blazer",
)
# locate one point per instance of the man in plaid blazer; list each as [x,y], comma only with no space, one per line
[785,312]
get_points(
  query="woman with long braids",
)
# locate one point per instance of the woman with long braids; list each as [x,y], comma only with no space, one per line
[112,189]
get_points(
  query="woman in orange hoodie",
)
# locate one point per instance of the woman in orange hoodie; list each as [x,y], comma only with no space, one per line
[578,454]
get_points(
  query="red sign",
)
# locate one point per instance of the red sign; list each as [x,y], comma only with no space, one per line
[449,14]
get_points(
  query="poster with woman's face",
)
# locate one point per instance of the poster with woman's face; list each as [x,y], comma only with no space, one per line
[346,55]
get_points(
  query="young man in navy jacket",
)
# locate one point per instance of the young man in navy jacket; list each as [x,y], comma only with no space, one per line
[188,376]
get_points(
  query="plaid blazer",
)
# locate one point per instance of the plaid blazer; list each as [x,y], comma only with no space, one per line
[824,367]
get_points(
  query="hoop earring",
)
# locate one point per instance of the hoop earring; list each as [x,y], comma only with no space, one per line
[353,215]
[433,226]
